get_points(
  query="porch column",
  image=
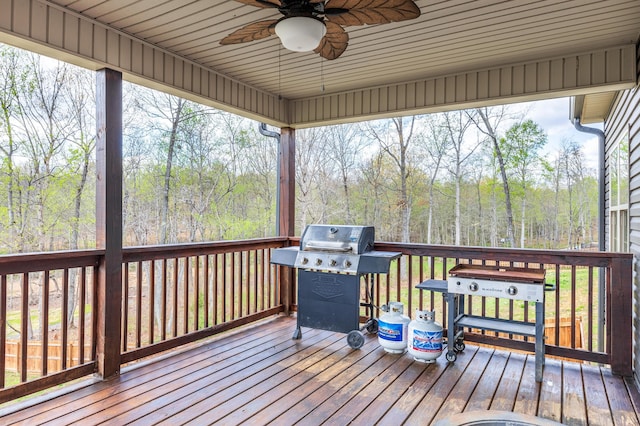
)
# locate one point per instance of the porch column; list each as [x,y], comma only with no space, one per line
[109,219]
[286,209]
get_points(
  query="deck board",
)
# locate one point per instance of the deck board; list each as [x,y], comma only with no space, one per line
[485,390]
[550,402]
[259,375]
[463,389]
[573,409]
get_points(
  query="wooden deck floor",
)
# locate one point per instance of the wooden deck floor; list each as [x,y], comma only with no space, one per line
[259,376]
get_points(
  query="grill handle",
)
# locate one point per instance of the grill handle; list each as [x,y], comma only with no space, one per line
[326,246]
[549,287]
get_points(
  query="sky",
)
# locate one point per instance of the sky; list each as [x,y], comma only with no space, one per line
[553,116]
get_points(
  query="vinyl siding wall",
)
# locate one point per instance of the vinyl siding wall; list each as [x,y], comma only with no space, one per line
[625,118]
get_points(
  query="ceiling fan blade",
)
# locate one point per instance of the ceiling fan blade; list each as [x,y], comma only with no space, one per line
[261,3]
[369,12]
[334,42]
[256,31]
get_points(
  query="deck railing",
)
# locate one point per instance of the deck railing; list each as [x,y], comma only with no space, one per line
[177,294]
[590,306]
[174,295]
[47,319]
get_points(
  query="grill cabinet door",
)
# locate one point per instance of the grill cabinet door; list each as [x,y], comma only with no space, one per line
[328,301]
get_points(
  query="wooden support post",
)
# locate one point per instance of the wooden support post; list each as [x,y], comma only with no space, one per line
[109,219]
[621,316]
[286,209]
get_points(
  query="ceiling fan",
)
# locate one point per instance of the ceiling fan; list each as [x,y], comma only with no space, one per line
[317,24]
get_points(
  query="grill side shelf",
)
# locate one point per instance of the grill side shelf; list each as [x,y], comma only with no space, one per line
[285,256]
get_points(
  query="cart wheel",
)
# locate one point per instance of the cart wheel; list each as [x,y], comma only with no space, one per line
[355,339]
[297,335]
[372,326]
[451,356]
[459,346]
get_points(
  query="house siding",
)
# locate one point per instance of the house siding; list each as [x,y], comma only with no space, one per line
[624,118]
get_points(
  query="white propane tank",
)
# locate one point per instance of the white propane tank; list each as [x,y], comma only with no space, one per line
[425,337]
[392,329]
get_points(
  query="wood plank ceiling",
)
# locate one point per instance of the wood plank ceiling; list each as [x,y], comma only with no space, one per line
[449,38]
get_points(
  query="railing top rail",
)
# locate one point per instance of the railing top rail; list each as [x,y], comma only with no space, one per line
[133,254]
[562,257]
[34,262]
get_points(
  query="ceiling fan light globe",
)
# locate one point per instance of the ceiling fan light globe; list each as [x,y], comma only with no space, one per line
[300,34]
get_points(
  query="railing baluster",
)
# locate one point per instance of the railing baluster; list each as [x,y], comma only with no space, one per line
[224,287]
[232,286]
[205,284]
[152,300]
[65,316]
[82,312]
[94,313]
[255,280]
[176,268]
[163,304]
[185,295]
[138,304]
[24,313]
[44,323]
[216,295]
[247,279]
[125,305]
[196,293]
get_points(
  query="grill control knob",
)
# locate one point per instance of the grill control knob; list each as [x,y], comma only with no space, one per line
[305,260]
[332,262]
[318,261]
[512,290]
[474,286]
[347,263]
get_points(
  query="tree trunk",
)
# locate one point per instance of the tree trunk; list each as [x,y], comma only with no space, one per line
[503,174]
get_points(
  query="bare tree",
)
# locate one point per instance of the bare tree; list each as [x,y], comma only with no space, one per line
[80,100]
[344,146]
[12,76]
[489,120]
[395,137]
[310,156]
[432,147]
[262,165]
[456,125]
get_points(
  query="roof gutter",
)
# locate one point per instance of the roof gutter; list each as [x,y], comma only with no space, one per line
[262,128]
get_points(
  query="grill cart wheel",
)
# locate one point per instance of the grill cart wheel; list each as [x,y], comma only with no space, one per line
[355,339]
[458,346]
[451,356]
[372,326]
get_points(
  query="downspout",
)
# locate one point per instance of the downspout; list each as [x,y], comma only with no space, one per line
[262,128]
[601,223]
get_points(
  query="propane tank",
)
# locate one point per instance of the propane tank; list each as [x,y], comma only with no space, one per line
[425,337]
[392,329]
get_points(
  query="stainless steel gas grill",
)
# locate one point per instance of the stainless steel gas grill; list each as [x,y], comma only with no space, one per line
[331,261]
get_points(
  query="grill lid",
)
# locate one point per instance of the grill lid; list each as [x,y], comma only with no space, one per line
[338,238]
